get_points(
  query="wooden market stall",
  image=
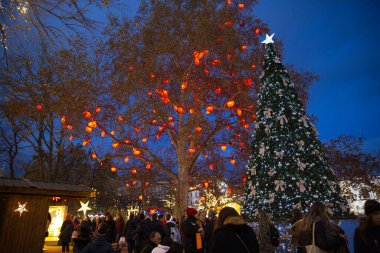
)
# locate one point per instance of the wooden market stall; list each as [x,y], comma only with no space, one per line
[24,207]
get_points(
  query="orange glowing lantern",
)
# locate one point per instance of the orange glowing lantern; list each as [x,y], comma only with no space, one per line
[191,150]
[241,6]
[151,76]
[194,187]
[126,160]
[160,128]
[134,171]
[257,30]
[253,66]
[63,119]
[203,198]
[127,141]
[39,107]
[70,127]
[233,161]
[244,180]
[136,152]
[86,114]
[180,109]
[134,182]
[92,124]
[228,2]
[103,133]
[84,143]
[170,118]
[206,71]
[198,56]
[206,184]
[198,129]
[137,129]
[216,62]
[211,166]
[71,138]
[148,166]
[146,184]
[144,140]
[154,122]
[244,47]
[93,156]
[151,211]
[229,191]
[131,68]
[97,109]
[218,90]
[120,119]
[113,169]
[238,112]
[184,85]
[166,81]
[230,104]
[228,24]
[149,93]
[115,145]
[113,132]
[127,185]
[223,147]
[140,197]
[88,129]
[209,109]
[191,111]
[246,126]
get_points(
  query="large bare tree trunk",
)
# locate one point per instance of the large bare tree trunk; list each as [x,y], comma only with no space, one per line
[181,193]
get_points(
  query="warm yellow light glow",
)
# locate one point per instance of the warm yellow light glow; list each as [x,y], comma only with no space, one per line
[58,214]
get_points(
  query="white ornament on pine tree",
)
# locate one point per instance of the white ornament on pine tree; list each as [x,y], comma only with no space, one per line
[301,165]
[271,198]
[268,39]
[301,185]
[267,113]
[271,173]
[282,119]
[331,185]
[304,120]
[262,150]
[279,154]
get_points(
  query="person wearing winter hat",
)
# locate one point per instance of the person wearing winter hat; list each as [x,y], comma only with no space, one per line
[367,235]
[190,229]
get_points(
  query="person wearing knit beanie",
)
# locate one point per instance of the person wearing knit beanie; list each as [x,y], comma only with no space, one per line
[371,206]
[191,211]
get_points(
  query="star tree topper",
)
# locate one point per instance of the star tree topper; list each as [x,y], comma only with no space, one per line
[268,39]
[21,208]
[84,207]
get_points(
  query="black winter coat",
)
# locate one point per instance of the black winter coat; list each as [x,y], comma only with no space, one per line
[189,229]
[99,245]
[130,227]
[66,231]
[369,241]
[324,239]
[234,238]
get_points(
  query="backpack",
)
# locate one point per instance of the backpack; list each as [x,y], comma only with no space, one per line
[274,235]
[175,235]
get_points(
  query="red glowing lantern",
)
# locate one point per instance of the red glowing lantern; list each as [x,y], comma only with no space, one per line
[134,182]
[218,90]
[115,145]
[229,191]
[120,119]
[211,166]
[113,169]
[113,132]
[198,129]
[92,124]
[127,185]
[126,160]
[144,140]
[137,129]
[97,109]
[206,184]
[134,171]
[244,47]
[233,161]
[127,141]
[166,81]
[228,24]
[70,127]
[238,112]
[86,114]
[146,184]
[191,111]
[209,109]
[253,66]
[248,82]
[241,6]
[148,166]
[71,138]
[140,197]
[84,143]
[93,156]
[216,62]
[88,129]
[39,107]
[257,30]
[223,147]
[131,69]
[244,180]
[191,150]
[63,120]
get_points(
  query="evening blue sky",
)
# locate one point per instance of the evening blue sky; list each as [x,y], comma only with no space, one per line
[338,41]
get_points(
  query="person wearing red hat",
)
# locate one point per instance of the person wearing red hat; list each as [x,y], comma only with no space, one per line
[190,229]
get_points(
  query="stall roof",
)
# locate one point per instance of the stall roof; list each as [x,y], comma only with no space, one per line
[28,187]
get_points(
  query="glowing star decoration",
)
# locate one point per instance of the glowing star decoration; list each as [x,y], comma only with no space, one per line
[84,208]
[21,208]
[268,39]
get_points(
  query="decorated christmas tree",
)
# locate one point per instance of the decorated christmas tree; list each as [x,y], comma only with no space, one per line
[287,168]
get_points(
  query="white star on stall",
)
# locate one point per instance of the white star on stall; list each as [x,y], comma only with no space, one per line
[21,208]
[84,207]
[268,39]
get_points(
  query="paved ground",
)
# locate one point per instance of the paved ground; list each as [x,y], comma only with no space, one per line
[58,249]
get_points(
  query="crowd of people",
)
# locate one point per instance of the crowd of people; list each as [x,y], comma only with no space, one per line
[197,232]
